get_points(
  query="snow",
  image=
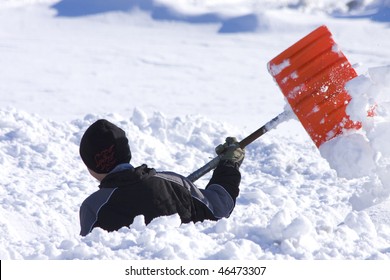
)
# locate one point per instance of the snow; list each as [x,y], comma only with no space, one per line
[276,69]
[179,77]
[365,153]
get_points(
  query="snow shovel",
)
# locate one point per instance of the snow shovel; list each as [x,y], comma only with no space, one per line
[312,75]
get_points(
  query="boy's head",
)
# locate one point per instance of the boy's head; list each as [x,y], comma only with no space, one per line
[104,146]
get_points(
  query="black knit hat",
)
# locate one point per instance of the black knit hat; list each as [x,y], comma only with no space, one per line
[104,146]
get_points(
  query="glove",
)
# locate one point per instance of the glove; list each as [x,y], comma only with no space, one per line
[231,152]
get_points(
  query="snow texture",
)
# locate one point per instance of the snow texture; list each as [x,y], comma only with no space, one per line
[179,77]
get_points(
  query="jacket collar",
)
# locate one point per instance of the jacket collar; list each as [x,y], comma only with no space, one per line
[126,175]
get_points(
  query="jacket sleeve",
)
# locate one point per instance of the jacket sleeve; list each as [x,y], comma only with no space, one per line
[228,176]
[222,190]
[87,219]
[90,208]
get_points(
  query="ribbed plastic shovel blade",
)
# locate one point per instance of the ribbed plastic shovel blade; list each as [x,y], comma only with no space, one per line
[312,75]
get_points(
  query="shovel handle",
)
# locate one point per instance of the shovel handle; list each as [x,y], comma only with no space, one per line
[285,115]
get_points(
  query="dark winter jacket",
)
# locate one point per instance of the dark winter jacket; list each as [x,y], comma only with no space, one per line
[128,192]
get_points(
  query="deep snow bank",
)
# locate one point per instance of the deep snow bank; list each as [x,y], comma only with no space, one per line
[291,205]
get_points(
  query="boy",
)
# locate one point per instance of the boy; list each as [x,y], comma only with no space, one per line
[126,191]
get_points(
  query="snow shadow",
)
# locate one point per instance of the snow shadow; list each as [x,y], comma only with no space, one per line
[77,8]
[382,14]
[158,11]
[379,12]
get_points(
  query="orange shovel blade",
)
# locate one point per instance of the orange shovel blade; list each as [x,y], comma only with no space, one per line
[312,75]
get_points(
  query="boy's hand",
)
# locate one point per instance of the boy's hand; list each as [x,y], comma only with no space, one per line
[230,151]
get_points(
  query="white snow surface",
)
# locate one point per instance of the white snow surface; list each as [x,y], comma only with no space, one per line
[179,77]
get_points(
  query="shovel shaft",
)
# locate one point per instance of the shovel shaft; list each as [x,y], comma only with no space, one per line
[243,143]
[204,169]
[285,115]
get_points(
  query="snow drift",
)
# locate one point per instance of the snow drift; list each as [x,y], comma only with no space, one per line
[292,205]
[184,79]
